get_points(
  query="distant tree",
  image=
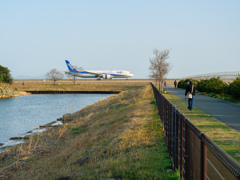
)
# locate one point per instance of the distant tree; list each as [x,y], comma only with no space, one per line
[54,75]
[159,67]
[5,75]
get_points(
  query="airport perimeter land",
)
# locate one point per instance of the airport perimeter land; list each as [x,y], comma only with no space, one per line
[82,84]
[115,85]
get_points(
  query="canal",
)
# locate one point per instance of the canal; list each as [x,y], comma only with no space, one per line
[21,114]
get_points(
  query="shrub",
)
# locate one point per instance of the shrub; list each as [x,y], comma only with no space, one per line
[201,85]
[183,83]
[234,88]
[213,85]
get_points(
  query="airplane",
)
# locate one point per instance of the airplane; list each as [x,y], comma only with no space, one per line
[104,74]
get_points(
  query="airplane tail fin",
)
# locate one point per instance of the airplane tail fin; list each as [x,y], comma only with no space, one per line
[71,68]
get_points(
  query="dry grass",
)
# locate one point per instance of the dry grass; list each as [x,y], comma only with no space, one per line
[118,137]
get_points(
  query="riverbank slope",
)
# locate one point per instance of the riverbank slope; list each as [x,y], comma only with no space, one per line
[6,90]
[120,137]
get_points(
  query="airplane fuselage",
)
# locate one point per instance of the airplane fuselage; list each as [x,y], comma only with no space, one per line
[105,74]
[113,74]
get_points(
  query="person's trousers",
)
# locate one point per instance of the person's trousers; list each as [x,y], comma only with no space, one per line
[190,103]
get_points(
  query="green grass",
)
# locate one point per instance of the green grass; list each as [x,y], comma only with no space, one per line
[116,120]
[118,106]
[225,137]
[78,130]
[154,159]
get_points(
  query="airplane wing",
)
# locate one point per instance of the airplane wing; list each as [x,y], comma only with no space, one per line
[96,74]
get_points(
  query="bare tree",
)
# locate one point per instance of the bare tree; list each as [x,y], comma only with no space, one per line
[54,75]
[72,76]
[159,67]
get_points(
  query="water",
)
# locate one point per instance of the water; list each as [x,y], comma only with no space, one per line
[22,114]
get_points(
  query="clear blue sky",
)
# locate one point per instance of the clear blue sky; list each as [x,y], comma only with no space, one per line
[36,36]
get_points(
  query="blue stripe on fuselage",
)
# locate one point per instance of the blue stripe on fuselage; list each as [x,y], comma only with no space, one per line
[87,73]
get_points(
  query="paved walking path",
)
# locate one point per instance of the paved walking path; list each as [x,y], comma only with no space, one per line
[226,112]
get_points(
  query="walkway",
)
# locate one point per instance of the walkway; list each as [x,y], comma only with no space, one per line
[226,112]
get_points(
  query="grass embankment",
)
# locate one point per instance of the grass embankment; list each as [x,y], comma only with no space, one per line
[225,137]
[120,137]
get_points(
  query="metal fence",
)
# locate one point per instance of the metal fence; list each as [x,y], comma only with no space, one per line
[192,152]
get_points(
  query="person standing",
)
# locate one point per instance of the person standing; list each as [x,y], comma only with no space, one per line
[191,93]
[175,84]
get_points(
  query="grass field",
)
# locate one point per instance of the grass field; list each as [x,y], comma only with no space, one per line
[81,85]
[120,137]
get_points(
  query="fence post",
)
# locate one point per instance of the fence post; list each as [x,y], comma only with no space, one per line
[176,139]
[203,161]
[164,117]
[168,119]
[173,138]
[170,127]
[180,142]
[185,153]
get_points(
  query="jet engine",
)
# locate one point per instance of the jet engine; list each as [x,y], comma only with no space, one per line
[107,76]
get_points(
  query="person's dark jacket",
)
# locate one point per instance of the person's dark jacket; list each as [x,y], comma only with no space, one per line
[189,89]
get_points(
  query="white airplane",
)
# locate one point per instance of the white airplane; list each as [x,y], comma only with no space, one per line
[97,74]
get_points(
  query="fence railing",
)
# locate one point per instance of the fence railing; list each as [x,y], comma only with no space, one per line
[192,152]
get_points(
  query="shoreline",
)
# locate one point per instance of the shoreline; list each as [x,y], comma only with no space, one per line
[16,94]
[73,92]
[24,93]
[23,138]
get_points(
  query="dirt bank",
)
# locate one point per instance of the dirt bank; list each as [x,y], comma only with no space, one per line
[6,91]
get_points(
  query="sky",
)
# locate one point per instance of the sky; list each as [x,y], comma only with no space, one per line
[37,36]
